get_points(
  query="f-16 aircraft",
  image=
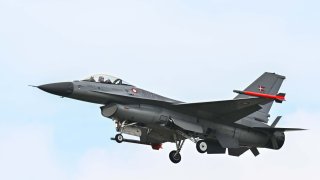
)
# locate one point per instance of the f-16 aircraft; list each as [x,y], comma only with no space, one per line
[239,124]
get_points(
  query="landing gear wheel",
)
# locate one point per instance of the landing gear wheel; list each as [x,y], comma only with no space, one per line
[202,146]
[175,157]
[119,138]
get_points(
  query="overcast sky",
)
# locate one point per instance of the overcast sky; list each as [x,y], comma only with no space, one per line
[187,50]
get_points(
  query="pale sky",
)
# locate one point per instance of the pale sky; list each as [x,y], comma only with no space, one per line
[187,50]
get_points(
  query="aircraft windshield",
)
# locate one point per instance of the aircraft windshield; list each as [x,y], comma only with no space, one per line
[106,79]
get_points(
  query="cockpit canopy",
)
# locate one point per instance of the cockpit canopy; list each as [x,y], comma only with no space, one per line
[106,79]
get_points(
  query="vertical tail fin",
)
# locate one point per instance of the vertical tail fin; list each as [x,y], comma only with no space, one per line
[267,83]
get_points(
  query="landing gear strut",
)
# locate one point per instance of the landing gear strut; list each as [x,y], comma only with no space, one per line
[175,156]
[119,128]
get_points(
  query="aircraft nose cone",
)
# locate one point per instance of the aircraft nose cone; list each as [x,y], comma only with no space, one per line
[60,89]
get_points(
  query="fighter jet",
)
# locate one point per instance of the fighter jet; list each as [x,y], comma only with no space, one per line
[239,124]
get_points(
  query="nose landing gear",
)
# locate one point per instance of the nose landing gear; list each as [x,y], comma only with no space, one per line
[121,128]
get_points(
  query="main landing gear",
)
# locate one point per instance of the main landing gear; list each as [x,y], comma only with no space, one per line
[175,156]
[202,146]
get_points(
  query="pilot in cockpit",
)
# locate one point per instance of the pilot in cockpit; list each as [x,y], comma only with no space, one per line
[101,79]
[108,81]
[91,79]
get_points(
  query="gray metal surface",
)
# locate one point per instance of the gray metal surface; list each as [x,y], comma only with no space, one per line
[268,83]
[238,124]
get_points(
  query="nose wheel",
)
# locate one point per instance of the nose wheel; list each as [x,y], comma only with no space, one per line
[202,146]
[119,128]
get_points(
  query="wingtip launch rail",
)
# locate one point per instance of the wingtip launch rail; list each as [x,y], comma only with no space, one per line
[279,98]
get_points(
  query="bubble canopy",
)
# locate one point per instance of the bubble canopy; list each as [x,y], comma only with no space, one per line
[106,79]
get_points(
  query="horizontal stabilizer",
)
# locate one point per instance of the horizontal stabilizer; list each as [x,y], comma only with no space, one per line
[271,129]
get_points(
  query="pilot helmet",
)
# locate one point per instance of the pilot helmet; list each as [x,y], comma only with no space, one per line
[101,79]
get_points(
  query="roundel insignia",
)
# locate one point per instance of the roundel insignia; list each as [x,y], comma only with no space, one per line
[134,90]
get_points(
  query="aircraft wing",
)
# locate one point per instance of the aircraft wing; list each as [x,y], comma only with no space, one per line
[226,112]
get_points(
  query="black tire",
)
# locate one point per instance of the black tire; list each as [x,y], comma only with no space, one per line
[202,146]
[175,158]
[119,138]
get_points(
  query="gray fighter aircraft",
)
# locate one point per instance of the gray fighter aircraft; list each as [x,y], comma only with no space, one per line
[238,125]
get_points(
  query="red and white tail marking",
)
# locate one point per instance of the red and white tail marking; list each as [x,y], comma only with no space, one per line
[278,98]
